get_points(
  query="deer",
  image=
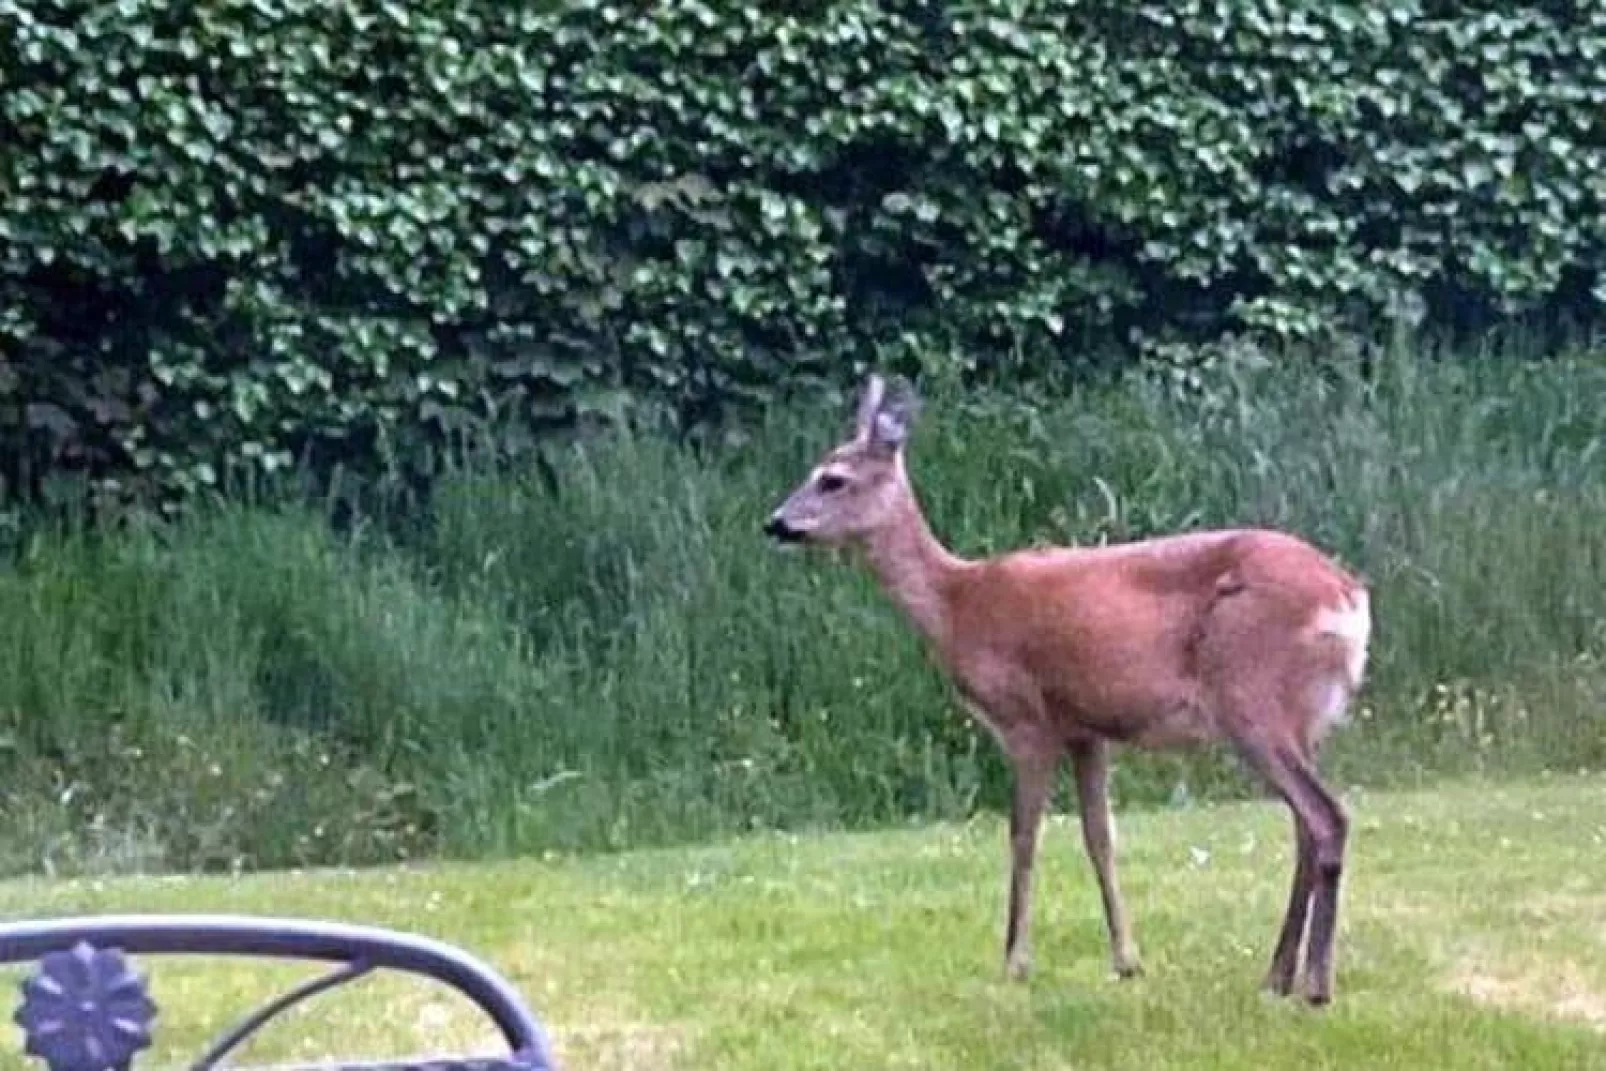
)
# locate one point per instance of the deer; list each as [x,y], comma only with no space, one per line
[1246,637]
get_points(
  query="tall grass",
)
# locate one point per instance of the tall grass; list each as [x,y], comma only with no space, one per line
[615,657]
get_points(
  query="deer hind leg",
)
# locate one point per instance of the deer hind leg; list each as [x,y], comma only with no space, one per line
[1285,960]
[1321,832]
[1328,858]
[1034,783]
[1091,763]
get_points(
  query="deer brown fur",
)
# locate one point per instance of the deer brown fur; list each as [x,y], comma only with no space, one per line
[1249,637]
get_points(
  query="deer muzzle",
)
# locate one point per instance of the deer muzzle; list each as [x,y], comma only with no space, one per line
[777,529]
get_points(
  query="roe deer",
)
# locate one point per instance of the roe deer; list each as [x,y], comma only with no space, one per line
[1246,636]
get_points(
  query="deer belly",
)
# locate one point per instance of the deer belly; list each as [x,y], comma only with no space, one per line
[1148,721]
[1181,725]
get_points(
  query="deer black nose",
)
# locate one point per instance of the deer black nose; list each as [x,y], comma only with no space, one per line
[777,528]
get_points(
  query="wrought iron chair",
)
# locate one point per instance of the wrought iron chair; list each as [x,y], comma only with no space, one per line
[85,1008]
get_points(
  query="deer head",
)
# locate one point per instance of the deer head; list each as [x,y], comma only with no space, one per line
[859,487]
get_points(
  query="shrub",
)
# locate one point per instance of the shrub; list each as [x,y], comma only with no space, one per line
[232,235]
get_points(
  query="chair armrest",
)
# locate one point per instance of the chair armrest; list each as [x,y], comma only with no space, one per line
[86,1009]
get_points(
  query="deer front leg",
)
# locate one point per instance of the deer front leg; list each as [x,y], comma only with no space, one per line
[1091,762]
[1034,783]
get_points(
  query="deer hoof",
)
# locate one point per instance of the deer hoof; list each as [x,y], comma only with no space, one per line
[1279,983]
[1318,995]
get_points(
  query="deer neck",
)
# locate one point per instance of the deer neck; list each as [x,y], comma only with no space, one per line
[913,566]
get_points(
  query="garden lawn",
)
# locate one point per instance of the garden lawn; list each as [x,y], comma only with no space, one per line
[1473,936]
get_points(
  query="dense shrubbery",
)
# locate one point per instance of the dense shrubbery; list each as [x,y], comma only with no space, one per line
[608,654]
[238,230]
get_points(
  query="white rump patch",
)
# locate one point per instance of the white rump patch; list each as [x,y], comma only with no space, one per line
[1332,705]
[1351,624]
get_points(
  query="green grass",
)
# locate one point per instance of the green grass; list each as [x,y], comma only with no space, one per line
[1471,938]
[610,656]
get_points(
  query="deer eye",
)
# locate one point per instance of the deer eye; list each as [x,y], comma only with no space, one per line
[830,482]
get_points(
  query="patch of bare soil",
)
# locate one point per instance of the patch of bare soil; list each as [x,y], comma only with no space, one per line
[1560,991]
[623,1046]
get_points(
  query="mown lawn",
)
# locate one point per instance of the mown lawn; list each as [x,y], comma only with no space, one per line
[1474,936]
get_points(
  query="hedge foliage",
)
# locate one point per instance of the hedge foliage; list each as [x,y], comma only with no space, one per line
[234,231]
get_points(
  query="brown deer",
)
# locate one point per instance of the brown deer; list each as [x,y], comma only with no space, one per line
[1245,636]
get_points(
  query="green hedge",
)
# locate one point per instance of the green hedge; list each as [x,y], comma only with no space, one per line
[233,232]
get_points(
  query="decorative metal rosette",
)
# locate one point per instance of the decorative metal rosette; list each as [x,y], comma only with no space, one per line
[85,1010]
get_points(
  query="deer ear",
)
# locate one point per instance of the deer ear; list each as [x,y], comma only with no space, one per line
[875,388]
[894,416]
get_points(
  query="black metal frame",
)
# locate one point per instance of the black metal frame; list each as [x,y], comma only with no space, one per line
[85,1010]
